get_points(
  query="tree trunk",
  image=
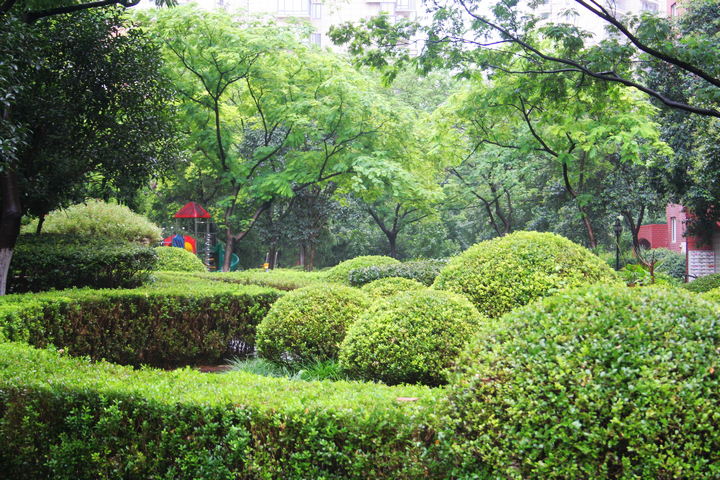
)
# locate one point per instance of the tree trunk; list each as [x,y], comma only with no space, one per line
[232,240]
[302,255]
[10,220]
[311,263]
[392,238]
[588,227]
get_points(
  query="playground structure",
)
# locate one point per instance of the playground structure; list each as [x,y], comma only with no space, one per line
[208,249]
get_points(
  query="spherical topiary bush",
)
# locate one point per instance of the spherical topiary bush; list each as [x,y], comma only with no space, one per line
[341,271]
[508,272]
[603,382]
[173,259]
[703,284]
[309,323]
[387,287]
[412,337]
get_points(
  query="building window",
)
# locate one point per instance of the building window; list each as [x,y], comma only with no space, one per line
[294,7]
[315,39]
[405,4]
[387,7]
[316,11]
[673,230]
[673,10]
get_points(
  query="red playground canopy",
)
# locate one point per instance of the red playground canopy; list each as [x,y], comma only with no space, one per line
[192,210]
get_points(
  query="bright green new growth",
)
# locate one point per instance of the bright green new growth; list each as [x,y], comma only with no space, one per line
[97,218]
[309,323]
[603,382]
[173,259]
[341,272]
[412,337]
[387,287]
[712,295]
[511,271]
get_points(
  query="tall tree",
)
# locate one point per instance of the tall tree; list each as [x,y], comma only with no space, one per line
[94,109]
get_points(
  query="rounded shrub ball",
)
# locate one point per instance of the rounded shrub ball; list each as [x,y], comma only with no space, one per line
[507,272]
[340,272]
[602,382]
[387,287]
[309,323]
[173,259]
[412,337]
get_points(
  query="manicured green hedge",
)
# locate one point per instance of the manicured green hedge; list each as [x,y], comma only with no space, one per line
[703,284]
[387,287]
[423,271]
[173,259]
[508,272]
[340,273]
[51,261]
[188,323]
[281,278]
[309,323]
[597,383]
[73,419]
[412,337]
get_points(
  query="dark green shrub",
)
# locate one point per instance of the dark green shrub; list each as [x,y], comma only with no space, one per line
[184,324]
[703,284]
[423,271]
[412,337]
[669,262]
[96,218]
[50,261]
[507,272]
[172,259]
[64,418]
[387,287]
[604,382]
[309,323]
[340,273]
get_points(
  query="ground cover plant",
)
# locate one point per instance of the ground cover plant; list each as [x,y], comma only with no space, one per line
[54,261]
[101,219]
[412,337]
[174,259]
[507,272]
[340,273]
[603,382]
[175,322]
[73,418]
[309,324]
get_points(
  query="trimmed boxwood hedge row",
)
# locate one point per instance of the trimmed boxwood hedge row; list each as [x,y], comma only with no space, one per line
[168,325]
[52,261]
[703,284]
[423,271]
[597,383]
[340,273]
[508,272]
[65,418]
[387,287]
[281,278]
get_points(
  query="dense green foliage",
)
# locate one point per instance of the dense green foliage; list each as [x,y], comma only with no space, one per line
[424,271]
[52,261]
[703,284]
[602,382]
[309,323]
[97,218]
[412,337]
[75,419]
[712,295]
[178,322]
[173,259]
[387,287]
[507,272]
[341,273]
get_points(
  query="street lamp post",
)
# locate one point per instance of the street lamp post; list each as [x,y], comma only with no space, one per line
[618,231]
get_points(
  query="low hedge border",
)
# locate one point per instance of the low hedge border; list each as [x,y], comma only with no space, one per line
[423,271]
[281,278]
[188,323]
[68,418]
